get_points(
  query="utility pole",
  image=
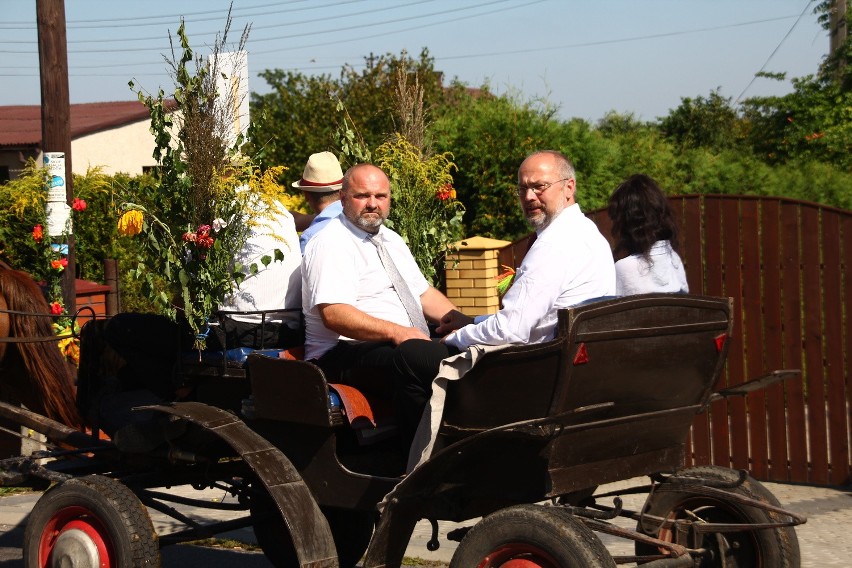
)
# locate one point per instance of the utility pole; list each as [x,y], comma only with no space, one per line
[838,32]
[56,112]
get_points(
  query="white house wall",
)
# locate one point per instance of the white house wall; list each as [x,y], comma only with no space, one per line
[126,149]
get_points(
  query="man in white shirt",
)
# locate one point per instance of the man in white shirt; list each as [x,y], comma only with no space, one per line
[276,286]
[355,317]
[569,262]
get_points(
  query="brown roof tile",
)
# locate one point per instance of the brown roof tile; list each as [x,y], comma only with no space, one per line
[21,125]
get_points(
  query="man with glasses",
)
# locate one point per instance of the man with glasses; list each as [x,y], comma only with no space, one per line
[569,262]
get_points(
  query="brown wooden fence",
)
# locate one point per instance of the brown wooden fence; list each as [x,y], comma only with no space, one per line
[783,262]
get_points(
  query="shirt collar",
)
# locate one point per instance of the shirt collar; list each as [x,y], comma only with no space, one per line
[571,212]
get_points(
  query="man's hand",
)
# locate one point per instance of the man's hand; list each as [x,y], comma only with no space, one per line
[452,321]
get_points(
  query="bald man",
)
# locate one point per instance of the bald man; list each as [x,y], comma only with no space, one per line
[355,315]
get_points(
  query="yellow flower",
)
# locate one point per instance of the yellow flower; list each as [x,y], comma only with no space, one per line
[130,223]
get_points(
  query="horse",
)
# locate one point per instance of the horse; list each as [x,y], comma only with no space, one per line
[33,371]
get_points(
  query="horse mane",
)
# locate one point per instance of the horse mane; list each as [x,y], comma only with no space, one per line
[51,375]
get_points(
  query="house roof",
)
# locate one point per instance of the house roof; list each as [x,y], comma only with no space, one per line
[21,125]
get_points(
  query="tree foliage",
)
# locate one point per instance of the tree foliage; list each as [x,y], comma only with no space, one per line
[300,115]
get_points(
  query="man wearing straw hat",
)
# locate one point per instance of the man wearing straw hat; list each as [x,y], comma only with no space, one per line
[320,184]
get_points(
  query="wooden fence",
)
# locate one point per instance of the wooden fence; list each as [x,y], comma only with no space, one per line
[784,264]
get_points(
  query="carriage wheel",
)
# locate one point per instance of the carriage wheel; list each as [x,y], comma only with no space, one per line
[531,536]
[351,530]
[90,522]
[762,548]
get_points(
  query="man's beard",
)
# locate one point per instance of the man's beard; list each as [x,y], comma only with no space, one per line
[539,219]
[367,223]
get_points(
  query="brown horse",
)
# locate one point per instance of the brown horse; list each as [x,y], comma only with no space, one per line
[33,372]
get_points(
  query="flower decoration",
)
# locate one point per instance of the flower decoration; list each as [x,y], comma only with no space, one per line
[59,264]
[445,192]
[504,279]
[69,345]
[198,215]
[56,308]
[197,259]
[79,204]
[38,233]
[130,223]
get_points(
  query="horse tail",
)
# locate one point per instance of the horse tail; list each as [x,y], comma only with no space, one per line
[51,374]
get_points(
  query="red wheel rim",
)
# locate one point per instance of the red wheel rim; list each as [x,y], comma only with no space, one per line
[80,519]
[518,555]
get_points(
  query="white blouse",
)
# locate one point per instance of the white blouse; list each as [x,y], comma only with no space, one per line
[664,273]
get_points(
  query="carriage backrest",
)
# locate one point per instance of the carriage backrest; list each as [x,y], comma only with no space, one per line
[641,353]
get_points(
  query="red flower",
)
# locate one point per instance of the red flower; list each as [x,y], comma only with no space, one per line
[38,233]
[203,230]
[204,241]
[56,308]
[445,192]
[79,204]
[59,265]
[189,237]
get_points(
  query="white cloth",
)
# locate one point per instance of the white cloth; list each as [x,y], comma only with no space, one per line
[277,285]
[569,262]
[341,266]
[665,273]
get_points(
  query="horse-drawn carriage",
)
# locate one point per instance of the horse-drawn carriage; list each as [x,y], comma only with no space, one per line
[521,441]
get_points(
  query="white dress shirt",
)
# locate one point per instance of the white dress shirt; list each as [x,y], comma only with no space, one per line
[277,285]
[569,262]
[665,273]
[341,266]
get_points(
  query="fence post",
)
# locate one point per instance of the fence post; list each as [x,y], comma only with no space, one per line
[470,275]
[113,300]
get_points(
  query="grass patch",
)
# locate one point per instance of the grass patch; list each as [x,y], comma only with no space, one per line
[419,562]
[229,543]
[6,491]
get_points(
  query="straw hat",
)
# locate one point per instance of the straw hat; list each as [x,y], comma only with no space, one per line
[322,173]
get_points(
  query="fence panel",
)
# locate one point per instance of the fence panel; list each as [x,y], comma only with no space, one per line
[813,340]
[771,289]
[792,346]
[753,336]
[833,346]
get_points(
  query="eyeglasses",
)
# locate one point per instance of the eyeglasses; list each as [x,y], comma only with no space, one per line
[537,188]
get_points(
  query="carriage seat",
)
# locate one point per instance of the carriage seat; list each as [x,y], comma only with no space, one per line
[298,391]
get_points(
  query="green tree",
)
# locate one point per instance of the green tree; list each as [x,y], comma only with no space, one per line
[294,121]
[710,122]
[299,117]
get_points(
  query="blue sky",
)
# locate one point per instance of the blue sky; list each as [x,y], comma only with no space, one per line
[587,57]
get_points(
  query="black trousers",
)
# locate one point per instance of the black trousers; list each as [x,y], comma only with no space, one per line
[404,371]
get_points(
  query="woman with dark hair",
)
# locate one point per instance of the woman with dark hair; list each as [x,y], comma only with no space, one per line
[645,239]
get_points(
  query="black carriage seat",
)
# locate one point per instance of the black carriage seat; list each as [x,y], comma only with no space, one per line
[620,385]
[295,391]
[125,361]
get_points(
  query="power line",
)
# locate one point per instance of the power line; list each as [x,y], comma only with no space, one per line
[302,23]
[774,51]
[110,22]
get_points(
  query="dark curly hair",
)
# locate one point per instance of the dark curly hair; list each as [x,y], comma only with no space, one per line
[640,216]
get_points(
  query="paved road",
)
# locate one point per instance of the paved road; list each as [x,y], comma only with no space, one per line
[825,539]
